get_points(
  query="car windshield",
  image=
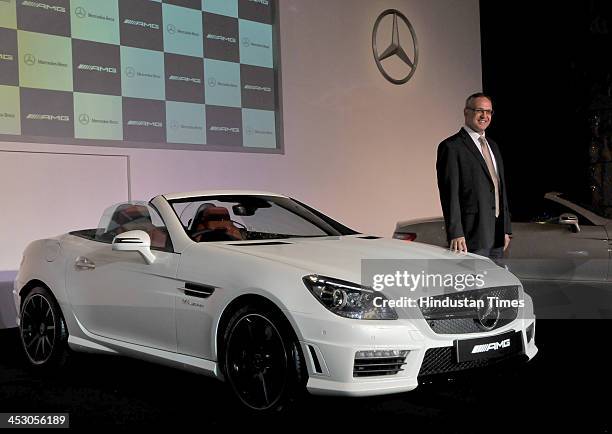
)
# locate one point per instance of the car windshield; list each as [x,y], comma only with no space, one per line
[250,217]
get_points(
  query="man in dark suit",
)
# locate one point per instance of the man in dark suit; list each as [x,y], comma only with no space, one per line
[472,186]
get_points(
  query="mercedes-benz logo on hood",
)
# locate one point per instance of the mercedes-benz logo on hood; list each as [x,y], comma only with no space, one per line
[397,46]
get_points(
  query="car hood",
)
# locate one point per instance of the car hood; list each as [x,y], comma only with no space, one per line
[341,257]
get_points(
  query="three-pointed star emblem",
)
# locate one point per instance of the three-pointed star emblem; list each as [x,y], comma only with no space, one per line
[395,48]
[29,59]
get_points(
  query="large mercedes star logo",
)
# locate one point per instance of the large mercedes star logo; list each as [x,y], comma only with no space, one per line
[212,82]
[130,72]
[488,314]
[83,119]
[395,48]
[171,28]
[29,59]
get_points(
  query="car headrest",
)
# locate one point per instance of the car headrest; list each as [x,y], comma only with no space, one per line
[127,213]
[216,213]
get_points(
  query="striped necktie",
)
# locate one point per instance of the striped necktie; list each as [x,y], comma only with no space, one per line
[487,157]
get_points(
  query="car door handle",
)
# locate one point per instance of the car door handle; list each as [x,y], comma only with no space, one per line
[83,263]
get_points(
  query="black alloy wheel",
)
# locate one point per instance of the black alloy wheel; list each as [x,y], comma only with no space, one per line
[42,329]
[262,363]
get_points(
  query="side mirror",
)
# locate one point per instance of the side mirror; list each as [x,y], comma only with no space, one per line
[135,241]
[571,220]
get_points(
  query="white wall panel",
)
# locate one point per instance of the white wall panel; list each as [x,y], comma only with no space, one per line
[47,194]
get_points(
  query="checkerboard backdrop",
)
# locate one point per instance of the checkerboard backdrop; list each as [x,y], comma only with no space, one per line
[190,72]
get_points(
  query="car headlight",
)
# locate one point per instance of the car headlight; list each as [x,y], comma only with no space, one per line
[347,299]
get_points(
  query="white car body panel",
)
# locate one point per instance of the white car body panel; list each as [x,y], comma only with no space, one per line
[123,298]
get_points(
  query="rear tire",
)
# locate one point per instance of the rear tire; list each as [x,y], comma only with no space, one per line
[262,360]
[43,331]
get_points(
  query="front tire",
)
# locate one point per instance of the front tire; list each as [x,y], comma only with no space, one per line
[262,360]
[43,331]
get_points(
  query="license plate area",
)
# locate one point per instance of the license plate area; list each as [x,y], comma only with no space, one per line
[489,347]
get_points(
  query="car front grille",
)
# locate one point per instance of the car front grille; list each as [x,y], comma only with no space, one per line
[461,320]
[442,361]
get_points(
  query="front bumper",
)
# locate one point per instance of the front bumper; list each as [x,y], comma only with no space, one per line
[330,347]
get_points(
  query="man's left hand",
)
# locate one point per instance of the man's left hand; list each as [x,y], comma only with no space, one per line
[506,241]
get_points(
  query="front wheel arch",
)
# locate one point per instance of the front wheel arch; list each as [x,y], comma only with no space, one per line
[296,368]
[237,304]
[28,287]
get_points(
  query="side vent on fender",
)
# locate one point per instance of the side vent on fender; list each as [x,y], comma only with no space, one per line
[197,290]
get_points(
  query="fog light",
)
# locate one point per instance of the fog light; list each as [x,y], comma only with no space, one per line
[372,363]
[380,354]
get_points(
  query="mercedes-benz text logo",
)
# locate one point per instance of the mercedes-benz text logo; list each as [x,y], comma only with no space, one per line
[171,28]
[395,48]
[130,72]
[83,119]
[488,314]
[80,12]
[212,82]
[29,59]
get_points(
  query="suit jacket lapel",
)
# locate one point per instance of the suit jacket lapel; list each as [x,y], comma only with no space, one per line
[469,143]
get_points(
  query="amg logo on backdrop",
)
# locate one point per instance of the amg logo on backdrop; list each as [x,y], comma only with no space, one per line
[178,78]
[43,6]
[492,346]
[221,38]
[6,57]
[141,24]
[145,124]
[261,2]
[97,68]
[40,117]
[225,129]
[259,88]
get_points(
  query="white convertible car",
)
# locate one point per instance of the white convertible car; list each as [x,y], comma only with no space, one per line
[264,292]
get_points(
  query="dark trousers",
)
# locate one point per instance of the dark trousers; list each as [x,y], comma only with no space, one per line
[495,253]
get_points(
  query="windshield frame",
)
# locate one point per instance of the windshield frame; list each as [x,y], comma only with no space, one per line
[329,226]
